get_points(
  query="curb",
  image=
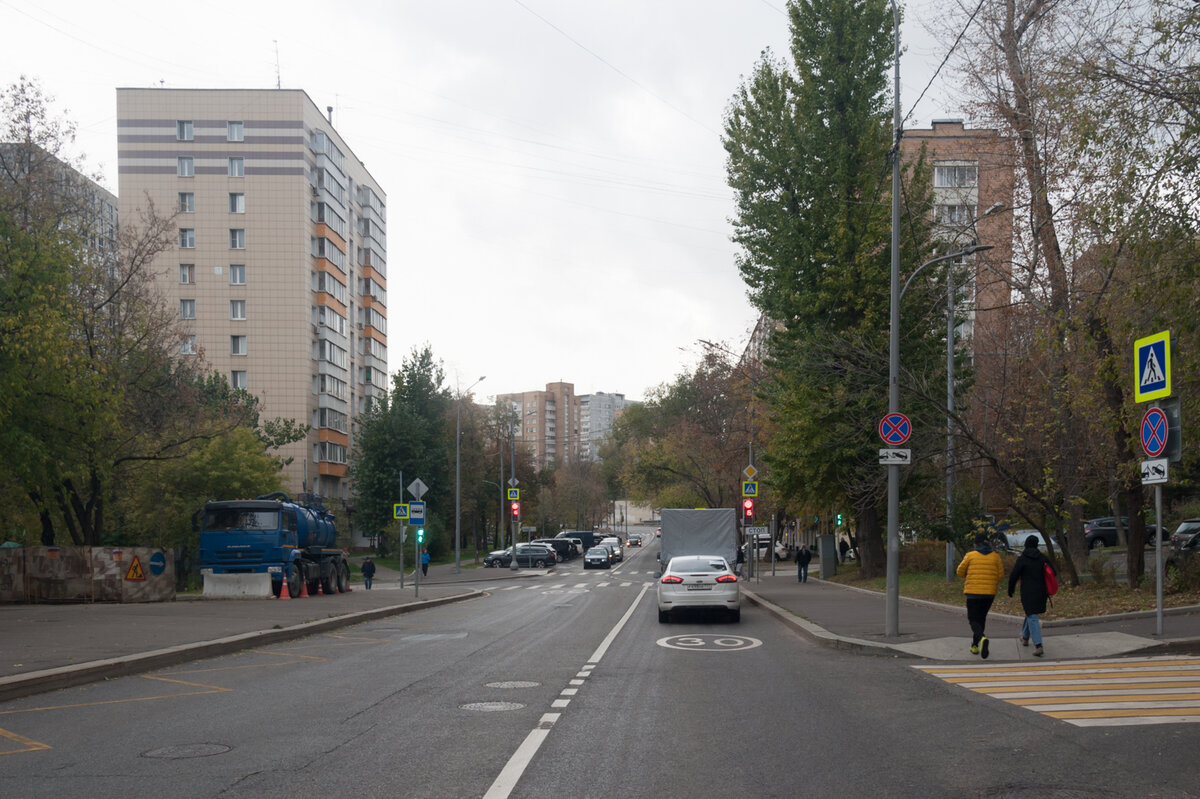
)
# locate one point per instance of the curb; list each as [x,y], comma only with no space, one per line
[820,635]
[36,682]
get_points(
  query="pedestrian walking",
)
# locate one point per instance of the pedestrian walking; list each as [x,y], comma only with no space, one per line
[424,562]
[843,549]
[741,559]
[982,570]
[803,558]
[1030,572]
[368,573]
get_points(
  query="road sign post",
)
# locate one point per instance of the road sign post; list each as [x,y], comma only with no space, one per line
[1151,381]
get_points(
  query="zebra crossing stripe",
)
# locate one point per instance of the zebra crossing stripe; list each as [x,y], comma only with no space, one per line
[1155,690]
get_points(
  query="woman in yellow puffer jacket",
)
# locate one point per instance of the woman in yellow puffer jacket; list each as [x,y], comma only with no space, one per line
[983,571]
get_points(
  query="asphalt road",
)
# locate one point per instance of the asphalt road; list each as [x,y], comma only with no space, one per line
[567,687]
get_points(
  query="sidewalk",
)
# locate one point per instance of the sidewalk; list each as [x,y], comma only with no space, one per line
[45,647]
[851,618]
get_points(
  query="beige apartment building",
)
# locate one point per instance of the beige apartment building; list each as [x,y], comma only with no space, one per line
[547,422]
[279,270]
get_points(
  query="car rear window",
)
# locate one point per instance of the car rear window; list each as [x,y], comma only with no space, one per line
[698,564]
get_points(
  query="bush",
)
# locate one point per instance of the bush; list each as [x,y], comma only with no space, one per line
[1102,567]
[923,556]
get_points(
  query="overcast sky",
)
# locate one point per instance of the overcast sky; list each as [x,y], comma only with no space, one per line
[557,206]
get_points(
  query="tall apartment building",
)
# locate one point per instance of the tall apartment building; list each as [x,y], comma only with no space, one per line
[279,267]
[597,414]
[546,422]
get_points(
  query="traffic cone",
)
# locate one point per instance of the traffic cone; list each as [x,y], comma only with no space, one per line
[283,589]
[303,590]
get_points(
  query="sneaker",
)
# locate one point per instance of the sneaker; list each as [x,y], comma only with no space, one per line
[1024,641]
[983,647]
[1037,652]
[974,649]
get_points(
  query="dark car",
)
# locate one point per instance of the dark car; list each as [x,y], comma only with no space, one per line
[633,541]
[598,558]
[1102,532]
[1185,544]
[537,556]
[562,546]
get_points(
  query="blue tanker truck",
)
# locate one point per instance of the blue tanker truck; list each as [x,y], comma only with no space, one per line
[273,536]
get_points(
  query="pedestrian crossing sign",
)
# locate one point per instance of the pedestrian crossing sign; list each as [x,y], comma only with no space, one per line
[1152,363]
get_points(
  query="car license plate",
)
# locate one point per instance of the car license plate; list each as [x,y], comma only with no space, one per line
[699,587]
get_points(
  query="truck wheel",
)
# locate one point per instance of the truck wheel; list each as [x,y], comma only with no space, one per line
[293,578]
[343,577]
[328,577]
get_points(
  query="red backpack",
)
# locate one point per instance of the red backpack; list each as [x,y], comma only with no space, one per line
[1051,580]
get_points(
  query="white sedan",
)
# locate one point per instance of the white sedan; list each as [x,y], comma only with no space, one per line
[698,581]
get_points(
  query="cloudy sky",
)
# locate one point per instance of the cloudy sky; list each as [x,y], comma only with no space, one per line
[557,208]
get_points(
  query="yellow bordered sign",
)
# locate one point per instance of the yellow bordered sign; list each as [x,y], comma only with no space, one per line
[514,493]
[750,488]
[400,510]
[1152,367]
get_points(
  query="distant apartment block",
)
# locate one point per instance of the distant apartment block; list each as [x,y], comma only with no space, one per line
[598,414]
[546,422]
[279,268]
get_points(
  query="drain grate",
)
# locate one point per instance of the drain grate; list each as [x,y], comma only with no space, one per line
[184,751]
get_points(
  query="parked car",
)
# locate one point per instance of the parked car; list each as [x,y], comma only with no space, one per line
[1185,544]
[1014,540]
[615,543]
[535,556]
[698,581]
[598,558]
[1102,532]
[563,548]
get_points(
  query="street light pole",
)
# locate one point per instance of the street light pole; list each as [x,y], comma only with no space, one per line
[893,510]
[458,478]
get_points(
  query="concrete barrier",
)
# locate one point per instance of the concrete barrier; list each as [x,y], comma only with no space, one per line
[237,586]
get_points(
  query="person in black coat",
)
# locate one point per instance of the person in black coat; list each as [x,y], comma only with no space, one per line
[1030,571]
[368,573]
[803,558]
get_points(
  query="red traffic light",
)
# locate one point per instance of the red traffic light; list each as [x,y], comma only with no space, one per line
[748,508]
[516,509]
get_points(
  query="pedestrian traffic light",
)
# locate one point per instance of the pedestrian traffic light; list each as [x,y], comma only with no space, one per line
[748,509]
[516,509]
[420,535]
[839,520]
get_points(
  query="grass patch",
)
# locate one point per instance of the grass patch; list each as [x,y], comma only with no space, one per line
[1088,599]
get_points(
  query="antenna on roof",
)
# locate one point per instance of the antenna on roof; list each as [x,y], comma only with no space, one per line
[278,82]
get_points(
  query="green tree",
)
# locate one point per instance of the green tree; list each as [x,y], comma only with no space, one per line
[407,431]
[809,149]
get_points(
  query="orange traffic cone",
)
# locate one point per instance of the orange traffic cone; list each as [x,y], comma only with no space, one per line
[303,590]
[283,589]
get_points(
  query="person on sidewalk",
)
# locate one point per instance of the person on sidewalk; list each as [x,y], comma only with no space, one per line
[803,558]
[1030,570]
[843,550]
[983,570]
[424,562]
[368,573]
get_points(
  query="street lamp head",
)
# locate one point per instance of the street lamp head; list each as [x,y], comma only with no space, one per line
[974,248]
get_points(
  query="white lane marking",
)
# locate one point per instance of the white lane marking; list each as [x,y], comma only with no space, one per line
[520,760]
[578,682]
[626,585]
[603,585]
[569,692]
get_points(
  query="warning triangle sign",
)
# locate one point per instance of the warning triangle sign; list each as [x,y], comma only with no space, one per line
[1153,371]
[135,570]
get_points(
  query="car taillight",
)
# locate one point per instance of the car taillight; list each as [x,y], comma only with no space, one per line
[727,578]
[670,578]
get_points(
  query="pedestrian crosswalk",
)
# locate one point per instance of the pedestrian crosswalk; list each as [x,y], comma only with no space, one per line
[1090,693]
[579,586]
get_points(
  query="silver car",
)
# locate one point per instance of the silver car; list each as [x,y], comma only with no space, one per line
[698,581]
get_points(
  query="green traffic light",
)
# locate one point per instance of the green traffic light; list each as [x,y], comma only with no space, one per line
[420,534]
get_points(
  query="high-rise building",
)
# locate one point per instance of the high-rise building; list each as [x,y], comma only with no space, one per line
[546,422]
[279,268]
[597,414]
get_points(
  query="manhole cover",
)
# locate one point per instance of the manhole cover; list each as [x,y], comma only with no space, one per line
[491,707]
[187,750]
[514,684]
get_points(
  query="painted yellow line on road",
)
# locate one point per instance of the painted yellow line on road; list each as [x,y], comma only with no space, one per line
[26,744]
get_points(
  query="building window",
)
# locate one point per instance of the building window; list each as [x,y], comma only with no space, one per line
[237,238]
[957,176]
[187,309]
[187,345]
[237,379]
[237,203]
[187,273]
[237,274]
[183,130]
[187,238]
[237,167]
[237,345]
[235,131]
[185,166]
[187,202]
[237,310]
[954,215]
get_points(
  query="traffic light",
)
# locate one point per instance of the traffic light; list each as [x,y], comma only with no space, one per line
[420,535]
[516,509]
[748,509]
[839,520]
